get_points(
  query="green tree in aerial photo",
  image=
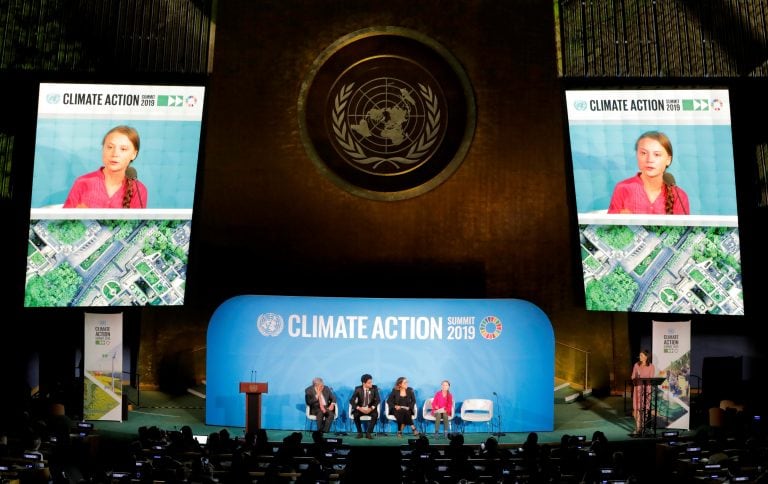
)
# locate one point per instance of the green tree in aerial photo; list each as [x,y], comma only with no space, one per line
[67,231]
[614,292]
[617,236]
[55,288]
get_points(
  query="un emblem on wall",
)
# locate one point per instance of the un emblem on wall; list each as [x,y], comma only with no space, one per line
[387,113]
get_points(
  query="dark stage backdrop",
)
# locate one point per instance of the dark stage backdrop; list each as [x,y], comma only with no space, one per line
[271,223]
[267,221]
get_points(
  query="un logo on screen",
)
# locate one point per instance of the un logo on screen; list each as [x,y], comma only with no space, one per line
[270,324]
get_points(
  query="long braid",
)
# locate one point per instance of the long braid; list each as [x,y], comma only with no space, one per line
[663,140]
[128,193]
[669,205]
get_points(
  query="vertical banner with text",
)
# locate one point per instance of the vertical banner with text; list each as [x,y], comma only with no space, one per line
[103,354]
[672,358]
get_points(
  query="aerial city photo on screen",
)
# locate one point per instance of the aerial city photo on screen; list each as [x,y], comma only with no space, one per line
[107,262]
[662,269]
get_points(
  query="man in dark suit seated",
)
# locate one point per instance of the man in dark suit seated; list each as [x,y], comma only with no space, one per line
[321,402]
[365,402]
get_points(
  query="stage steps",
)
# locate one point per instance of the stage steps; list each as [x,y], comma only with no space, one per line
[569,392]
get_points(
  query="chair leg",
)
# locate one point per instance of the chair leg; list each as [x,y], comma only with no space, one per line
[336,424]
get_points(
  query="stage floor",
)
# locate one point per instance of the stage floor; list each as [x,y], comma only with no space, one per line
[581,417]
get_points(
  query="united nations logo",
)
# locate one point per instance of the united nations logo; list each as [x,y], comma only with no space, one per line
[387,113]
[270,324]
[386,126]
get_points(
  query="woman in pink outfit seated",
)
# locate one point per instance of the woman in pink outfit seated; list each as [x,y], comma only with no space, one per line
[110,186]
[442,407]
[652,190]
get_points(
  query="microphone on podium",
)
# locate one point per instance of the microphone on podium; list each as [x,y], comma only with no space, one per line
[131,174]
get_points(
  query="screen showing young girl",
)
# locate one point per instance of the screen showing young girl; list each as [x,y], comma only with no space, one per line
[653,173]
[113,190]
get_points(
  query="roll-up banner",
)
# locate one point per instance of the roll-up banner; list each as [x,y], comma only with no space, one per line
[672,358]
[103,362]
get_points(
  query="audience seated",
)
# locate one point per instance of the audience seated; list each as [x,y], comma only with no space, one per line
[459,456]
[183,442]
[262,445]
[420,465]
[285,458]
[155,454]
[531,454]
[600,448]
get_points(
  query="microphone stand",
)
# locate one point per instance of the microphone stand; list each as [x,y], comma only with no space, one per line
[498,416]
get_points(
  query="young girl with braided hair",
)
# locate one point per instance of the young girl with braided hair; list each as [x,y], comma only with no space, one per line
[114,185]
[652,190]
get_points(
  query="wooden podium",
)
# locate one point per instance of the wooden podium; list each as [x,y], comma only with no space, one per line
[253,391]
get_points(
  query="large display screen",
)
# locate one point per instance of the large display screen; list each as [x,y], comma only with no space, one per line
[653,173]
[113,190]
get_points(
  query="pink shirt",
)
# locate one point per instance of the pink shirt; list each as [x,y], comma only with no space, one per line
[90,191]
[439,401]
[629,194]
[641,371]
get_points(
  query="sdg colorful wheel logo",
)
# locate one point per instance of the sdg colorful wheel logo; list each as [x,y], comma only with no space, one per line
[490,327]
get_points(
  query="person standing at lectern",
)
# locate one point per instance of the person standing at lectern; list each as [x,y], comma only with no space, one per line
[365,402]
[321,402]
[641,393]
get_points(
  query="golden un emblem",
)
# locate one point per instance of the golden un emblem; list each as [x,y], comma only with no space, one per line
[386,114]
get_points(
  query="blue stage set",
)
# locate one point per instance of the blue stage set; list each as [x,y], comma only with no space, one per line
[496,349]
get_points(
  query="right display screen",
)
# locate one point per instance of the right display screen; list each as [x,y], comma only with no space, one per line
[655,190]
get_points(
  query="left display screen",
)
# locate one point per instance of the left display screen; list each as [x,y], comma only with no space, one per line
[113,190]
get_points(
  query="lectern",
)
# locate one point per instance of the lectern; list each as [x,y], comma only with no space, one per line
[253,391]
[649,402]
